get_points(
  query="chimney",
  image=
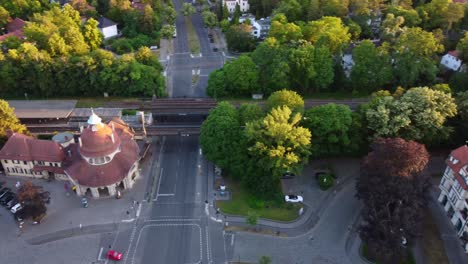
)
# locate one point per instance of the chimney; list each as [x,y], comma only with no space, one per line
[81,143]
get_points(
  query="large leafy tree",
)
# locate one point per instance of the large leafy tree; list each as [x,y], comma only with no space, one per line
[301,63]
[291,8]
[462,46]
[9,121]
[241,76]
[4,17]
[372,67]
[330,125]
[25,8]
[462,105]
[238,38]
[91,34]
[209,19]
[33,199]
[272,61]
[249,113]
[283,31]
[277,143]
[419,114]
[338,8]
[187,9]
[393,188]
[329,31]
[323,66]
[221,137]
[287,98]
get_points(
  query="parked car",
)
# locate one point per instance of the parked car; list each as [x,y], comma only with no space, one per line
[7,198]
[12,203]
[17,207]
[153,47]
[215,49]
[114,255]
[288,175]
[84,202]
[19,216]
[4,191]
[293,198]
[211,40]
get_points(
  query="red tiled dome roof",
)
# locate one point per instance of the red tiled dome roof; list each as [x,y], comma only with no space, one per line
[99,143]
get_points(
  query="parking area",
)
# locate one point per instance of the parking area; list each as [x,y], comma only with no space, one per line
[306,184]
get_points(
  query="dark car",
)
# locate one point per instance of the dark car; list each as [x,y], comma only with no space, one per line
[11,203]
[288,175]
[4,191]
[8,197]
[211,40]
[215,49]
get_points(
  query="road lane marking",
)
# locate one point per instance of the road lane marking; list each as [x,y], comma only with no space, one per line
[138,210]
[159,183]
[100,253]
[166,194]
[128,220]
[232,240]
[168,225]
[208,249]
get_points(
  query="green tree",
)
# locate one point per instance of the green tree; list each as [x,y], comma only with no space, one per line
[287,98]
[91,34]
[301,63]
[148,21]
[284,32]
[291,9]
[9,121]
[372,67]
[168,14]
[241,76]
[328,30]
[277,143]
[209,19]
[392,27]
[459,82]
[331,126]
[187,9]
[407,116]
[462,105]
[249,112]
[25,8]
[239,38]
[314,11]
[462,47]
[4,17]
[252,218]
[220,136]
[323,65]
[272,62]
[217,84]
[264,260]
[167,31]
[337,8]
[225,12]
[410,16]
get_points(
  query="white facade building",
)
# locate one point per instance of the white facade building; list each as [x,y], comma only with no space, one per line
[451,61]
[454,191]
[107,27]
[231,5]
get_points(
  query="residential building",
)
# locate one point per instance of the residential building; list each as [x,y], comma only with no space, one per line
[104,160]
[14,28]
[107,27]
[451,61]
[231,5]
[454,191]
[260,28]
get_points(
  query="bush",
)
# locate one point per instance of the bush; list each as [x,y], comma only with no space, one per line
[326,181]
[122,46]
[255,203]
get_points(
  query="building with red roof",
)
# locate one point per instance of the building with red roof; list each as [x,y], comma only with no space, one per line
[14,28]
[454,190]
[104,161]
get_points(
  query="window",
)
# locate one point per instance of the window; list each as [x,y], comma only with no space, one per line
[25,162]
[6,161]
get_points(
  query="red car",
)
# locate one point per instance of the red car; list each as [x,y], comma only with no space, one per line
[114,255]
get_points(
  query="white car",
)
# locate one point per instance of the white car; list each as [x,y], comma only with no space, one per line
[293,198]
[16,208]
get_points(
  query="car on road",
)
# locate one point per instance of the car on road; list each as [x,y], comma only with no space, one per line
[291,198]
[215,49]
[288,175]
[114,255]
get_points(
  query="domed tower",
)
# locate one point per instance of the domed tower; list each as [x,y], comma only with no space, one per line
[105,160]
[99,143]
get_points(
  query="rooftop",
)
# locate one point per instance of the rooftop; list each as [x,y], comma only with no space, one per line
[105,22]
[42,108]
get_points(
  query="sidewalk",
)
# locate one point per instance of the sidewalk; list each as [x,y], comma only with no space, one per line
[312,212]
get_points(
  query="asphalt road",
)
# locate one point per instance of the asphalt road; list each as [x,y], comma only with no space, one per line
[176,228]
[182,65]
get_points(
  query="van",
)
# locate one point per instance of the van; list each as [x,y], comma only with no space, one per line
[16,208]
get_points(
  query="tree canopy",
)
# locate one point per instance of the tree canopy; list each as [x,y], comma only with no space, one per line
[9,121]
[287,98]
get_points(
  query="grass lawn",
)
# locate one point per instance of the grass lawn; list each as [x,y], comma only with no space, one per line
[239,205]
[192,37]
[433,246]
